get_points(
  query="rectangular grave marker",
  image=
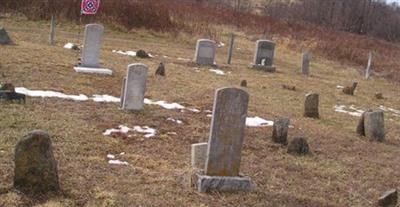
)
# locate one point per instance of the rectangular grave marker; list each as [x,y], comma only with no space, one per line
[135,87]
[205,52]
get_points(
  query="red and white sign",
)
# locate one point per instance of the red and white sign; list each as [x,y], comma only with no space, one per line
[89,7]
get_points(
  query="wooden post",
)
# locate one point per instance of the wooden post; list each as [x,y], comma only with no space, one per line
[230,49]
[52,30]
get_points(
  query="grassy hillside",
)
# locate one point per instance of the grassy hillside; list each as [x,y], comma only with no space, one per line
[343,170]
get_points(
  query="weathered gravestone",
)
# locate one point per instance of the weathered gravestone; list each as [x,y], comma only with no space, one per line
[205,52]
[311,105]
[305,64]
[4,38]
[35,166]
[8,94]
[360,126]
[264,56]
[199,155]
[90,62]
[134,87]
[280,131]
[52,30]
[225,144]
[374,125]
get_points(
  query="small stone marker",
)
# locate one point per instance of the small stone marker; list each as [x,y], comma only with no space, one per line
[298,146]
[264,56]
[305,64]
[379,96]
[4,38]
[142,54]
[311,105]
[199,155]
[205,52]
[35,166]
[388,199]
[280,131]
[243,83]
[349,90]
[368,69]
[90,62]
[8,94]
[230,49]
[225,143]
[161,70]
[134,87]
[374,124]
[52,30]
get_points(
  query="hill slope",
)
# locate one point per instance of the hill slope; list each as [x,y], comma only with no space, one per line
[344,169]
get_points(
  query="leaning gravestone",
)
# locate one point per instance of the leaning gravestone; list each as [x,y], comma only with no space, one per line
[264,56]
[4,38]
[280,131]
[35,166]
[311,105]
[205,52]
[91,51]
[374,125]
[305,64]
[134,87]
[225,144]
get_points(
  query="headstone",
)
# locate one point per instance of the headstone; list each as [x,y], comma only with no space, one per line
[4,38]
[205,52]
[298,146]
[199,155]
[52,30]
[227,132]
[388,199]
[305,64]
[360,127]
[311,105]
[135,87]
[368,70]
[35,166]
[225,144]
[264,56]
[374,125]
[90,62]
[230,49]
[280,131]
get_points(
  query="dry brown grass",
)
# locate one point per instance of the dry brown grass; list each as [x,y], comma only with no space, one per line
[344,170]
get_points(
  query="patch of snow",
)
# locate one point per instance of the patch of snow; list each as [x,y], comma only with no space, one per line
[352,110]
[164,104]
[122,153]
[110,156]
[183,59]
[147,131]
[127,53]
[339,87]
[395,112]
[221,44]
[258,122]
[105,98]
[209,115]
[208,111]
[194,110]
[50,94]
[69,46]
[217,71]
[175,120]
[117,162]
[150,55]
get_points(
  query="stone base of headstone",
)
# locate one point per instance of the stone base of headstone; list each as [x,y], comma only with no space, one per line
[269,69]
[199,155]
[204,183]
[102,71]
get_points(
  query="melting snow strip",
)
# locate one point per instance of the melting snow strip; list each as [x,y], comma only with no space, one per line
[258,122]
[217,71]
[147,131]
[175,120]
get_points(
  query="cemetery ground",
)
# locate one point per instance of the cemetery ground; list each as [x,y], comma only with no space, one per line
[343,169]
